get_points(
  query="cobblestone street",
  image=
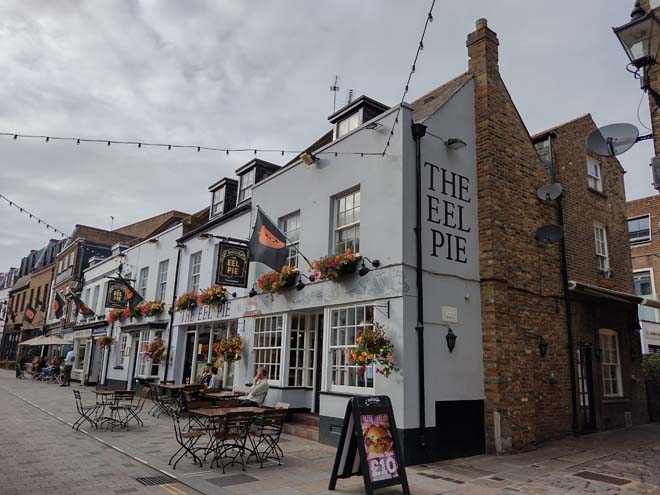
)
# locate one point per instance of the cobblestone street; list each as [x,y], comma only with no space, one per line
[42,454]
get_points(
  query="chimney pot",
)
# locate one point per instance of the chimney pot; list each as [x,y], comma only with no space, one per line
[481,23]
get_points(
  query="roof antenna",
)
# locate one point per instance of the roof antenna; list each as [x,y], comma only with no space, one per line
[335,88]
[349,96]
[112,222]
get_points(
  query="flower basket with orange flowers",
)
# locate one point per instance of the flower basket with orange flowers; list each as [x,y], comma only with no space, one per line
[115,315]
[229,348]
[334,266]
[375,348]
[187,300]
[154,350]
[105,341]
[216,294]
[274,281]
[151,308]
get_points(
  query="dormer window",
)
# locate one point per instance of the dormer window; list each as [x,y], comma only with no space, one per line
[347,125]
[218,202]
[354,114]
[247,181]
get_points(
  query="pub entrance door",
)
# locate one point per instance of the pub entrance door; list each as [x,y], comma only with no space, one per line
[585,390]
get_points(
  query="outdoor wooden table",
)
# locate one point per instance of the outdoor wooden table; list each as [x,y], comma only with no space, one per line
[222,395]
[217,412]
[173,386]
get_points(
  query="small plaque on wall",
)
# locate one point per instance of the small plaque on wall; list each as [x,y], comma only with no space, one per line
[449,314]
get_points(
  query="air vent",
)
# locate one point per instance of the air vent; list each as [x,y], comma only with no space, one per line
[335,429]
[628,418]
[155,480]
[429,98]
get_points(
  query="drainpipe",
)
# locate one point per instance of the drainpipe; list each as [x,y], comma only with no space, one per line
[418,131]
[176,283]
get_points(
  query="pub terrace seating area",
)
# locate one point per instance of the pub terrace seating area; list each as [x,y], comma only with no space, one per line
[207,428]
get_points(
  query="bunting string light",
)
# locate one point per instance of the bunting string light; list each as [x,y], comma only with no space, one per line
[32,215]
[142,144]
[420,47]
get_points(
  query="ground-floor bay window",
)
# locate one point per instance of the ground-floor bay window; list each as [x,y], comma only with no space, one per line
[345,325]
[145,367]
[267,346]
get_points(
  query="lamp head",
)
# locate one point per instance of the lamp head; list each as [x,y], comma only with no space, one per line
[363,270]
[252,292]
[455,144]
[308,158]
[300,285]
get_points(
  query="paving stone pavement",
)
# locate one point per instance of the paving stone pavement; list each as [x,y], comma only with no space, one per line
[40,452]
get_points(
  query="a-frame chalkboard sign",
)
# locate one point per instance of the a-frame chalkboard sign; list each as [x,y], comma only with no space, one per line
[369,446]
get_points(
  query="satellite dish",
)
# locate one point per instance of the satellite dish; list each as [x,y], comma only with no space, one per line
[613,139]
[549,192]
[549,233]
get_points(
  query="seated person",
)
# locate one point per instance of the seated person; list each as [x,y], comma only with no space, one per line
[41,364]
[214,381]
[206,375]
[258,391]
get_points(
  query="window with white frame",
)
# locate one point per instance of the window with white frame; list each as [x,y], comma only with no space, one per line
[290,227]
[95,299]
[121,349]
[145,367]
[301,351]
[347,222]
[345,325]
[600,239]
[610,364]
[143,281]
[162,280]
[594,174]
[348,124]
[267,346]
[643,283]
[218,202]
[639,229]
[245,189]
[195,270]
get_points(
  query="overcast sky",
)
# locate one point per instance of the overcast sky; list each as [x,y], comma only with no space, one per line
[257,74]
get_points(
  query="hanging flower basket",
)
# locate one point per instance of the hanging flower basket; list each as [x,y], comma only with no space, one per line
[229,348]
[154,350]
[274,281]
[375,348]
[115,315]
[334,266]
[105,341]
[186,301]
[216,294]
[151,308]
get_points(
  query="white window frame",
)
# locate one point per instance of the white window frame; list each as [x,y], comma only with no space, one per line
[144,364]
[330,349]
[350,123]
[95,299]
[161,281]
[595,177]
[121,349]
[301,355]
[143,281]
[217,204]
[195,271]
[640,241]
[246,183]
[650,272]
[338,228]
[292,235]
[601,248]
[610,358]
[265,351]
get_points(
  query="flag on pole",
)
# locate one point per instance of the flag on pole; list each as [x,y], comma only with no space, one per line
[29,313]
[132,296]
[58,305]
[81,307]
[267,243]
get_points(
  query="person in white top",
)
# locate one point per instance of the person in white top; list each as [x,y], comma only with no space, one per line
[258,391]
[68,366]
[214,381]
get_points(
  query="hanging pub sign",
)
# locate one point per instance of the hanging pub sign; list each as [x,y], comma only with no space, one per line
[369,446]
[233,265]
[117,296]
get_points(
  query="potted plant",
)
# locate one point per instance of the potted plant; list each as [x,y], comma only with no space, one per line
[229,348]
[334,266]
[216,294]
[651,370]
[105,341]
[151,308]
[154,350]
[374,347]
[275,281]
[186,301]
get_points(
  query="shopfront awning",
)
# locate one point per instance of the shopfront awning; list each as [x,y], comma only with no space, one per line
[41,340]
[614,295]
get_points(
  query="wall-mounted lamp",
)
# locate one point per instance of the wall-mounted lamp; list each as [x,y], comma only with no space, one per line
[204,235]
[364,270]
[180,246]
[300,285]
[253,292]
[374,126]
[308,158]
[543,346]
[455,144]
[451,339]
[153,240]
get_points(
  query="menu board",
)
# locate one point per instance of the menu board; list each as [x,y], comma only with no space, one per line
[369,445]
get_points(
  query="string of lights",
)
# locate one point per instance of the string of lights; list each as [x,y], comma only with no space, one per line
[420,47]
[32,215]
[141,144]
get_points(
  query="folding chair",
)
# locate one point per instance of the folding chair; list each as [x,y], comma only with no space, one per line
[87,412]
[163,404]
[120,413]
[231,436]
[133,410]
[186,440]
[265,436]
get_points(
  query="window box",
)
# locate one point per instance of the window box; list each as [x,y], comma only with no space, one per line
[334,266]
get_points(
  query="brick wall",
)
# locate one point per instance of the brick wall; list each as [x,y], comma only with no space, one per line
[643,254]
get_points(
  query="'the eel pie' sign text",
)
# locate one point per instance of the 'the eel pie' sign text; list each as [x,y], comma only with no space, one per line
[446,203]
[116,297]
[233,265]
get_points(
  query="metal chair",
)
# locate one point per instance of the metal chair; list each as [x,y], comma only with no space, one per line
[186,440]
[133,410]
[231,436]
[86,412]
[266,435]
